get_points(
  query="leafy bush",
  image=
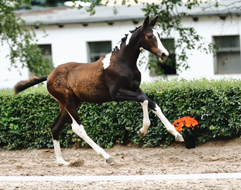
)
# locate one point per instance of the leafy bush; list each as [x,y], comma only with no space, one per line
[25,119]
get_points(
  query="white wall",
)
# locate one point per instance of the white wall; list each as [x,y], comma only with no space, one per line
[9,75]
[202,64]
[68,44]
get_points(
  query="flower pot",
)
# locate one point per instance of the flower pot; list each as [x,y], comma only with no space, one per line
[190,142]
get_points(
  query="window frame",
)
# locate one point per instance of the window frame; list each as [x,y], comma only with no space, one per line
[101,54]
[225,50]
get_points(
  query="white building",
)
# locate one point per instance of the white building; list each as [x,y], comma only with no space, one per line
[73,35]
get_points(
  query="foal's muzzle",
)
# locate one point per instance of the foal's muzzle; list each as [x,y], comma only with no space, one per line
[163,57]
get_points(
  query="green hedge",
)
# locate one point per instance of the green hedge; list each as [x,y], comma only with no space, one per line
[25,119]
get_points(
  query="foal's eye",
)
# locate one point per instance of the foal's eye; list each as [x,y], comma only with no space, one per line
[149,37]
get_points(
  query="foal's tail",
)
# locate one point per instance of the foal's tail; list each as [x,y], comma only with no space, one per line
[22,85]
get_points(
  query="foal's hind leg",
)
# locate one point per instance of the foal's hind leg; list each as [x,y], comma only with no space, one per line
[80,131]
[56,128]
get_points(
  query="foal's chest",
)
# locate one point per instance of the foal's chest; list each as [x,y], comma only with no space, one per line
[135,80]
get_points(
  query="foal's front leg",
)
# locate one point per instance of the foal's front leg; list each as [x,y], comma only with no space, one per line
[171,129]
[146,120]
[139,96]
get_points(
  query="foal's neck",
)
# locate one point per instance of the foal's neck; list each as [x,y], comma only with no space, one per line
[131,50]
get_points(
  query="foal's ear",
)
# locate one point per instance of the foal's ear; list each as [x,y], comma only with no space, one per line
[146,22]
[153,22]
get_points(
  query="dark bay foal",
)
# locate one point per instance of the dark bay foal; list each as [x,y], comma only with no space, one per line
[114,77]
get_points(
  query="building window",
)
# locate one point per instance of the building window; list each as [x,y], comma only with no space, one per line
[98,49]
[167,67]
[48,2]
[227,59]
[46,52]
[57,3]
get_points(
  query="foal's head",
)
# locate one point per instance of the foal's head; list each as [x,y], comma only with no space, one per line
[150,40]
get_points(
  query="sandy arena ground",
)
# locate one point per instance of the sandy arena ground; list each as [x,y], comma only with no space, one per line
[212,157]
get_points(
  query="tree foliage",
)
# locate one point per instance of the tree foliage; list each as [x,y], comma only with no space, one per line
[22,42]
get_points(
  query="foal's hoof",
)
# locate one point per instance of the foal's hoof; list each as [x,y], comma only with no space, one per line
[110,160]
[63,163]
[141,134]
[179,138]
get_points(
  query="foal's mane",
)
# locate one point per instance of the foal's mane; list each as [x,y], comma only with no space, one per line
[124,38]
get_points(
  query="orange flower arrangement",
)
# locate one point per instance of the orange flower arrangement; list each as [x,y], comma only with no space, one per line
[186,124]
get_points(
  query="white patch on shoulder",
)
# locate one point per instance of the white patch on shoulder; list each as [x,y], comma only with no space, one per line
[106,61]
[128,38]
[159,43]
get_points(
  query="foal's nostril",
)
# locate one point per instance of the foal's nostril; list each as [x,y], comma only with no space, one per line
[164,55]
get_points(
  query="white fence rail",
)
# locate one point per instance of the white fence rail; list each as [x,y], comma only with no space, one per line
[124,178]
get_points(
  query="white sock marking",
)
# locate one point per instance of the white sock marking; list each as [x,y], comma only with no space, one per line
[59,158]
[106,61]
[128,38]
[80,131]
[146,120]
[167,124]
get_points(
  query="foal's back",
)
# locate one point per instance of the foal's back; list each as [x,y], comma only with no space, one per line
[83,80]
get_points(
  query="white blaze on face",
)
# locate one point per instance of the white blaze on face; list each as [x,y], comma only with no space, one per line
[159,43]
[128,38]
[106,61]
